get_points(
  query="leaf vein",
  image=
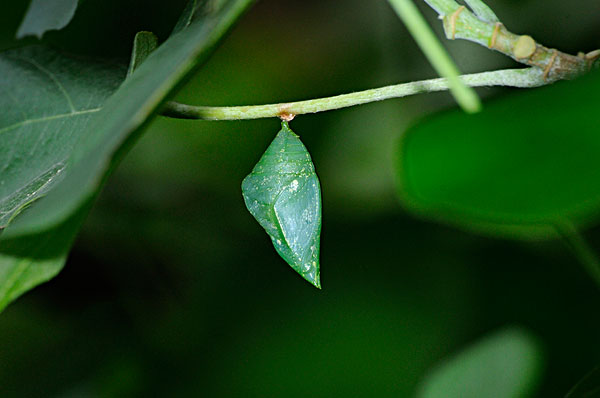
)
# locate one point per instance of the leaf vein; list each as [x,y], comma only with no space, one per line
[52,77]
[46,118]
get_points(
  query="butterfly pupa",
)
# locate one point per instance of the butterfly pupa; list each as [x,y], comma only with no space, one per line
[283,194]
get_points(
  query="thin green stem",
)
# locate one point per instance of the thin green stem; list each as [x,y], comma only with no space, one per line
[547,66]
[443,7]
[435,52]
[529,77]
[482,10]
[580,248]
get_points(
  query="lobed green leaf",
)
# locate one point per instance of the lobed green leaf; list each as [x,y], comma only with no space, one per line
[65,132]
[119,122]
[48,100]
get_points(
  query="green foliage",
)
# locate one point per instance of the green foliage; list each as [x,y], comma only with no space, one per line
[47,104]
[30,260]
[284,195]
[126,112]
[76,154]
[169,248]
[525,163]
[506,364]
[143,44]
[45,15]
[186,17]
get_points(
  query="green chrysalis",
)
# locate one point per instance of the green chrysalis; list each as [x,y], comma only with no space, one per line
[283,193]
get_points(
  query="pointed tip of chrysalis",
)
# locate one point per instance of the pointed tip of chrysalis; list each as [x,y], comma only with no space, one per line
[315,281]
[313,277]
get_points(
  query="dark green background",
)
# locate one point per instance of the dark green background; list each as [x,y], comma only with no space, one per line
[172,289]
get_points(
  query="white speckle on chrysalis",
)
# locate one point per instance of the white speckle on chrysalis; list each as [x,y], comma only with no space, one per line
[294,186]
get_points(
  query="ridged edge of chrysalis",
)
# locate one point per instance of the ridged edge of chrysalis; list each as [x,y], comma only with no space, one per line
[283,194]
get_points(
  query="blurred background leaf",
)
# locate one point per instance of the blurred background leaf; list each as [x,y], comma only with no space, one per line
[528,161]
[506,364]
[45,15]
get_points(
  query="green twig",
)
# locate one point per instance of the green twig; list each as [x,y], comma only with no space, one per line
[435,52]
[580,248]
[484,28]
[528,77]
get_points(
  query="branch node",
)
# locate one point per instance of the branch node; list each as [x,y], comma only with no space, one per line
[453,17]
[524,47]
[286,116]
[550,65]
[591,57]
[497,27]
